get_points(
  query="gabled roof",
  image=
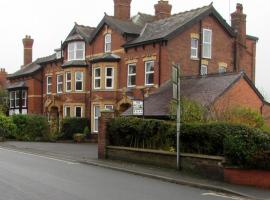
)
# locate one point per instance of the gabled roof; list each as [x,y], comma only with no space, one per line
[204,90]
[122,26]
[167,28]
[32,67]
[80,32]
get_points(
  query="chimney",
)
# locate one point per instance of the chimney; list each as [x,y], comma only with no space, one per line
[122,9]
[28,49]
[239,23]
[162,9]
[3,78]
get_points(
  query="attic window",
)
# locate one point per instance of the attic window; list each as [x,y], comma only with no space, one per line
[108,43]
[76,51]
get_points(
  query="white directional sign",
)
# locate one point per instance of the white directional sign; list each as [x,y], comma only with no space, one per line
[137,107]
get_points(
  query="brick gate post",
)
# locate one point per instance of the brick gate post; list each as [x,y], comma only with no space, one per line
[103,140]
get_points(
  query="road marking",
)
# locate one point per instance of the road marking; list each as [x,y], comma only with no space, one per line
[40,156]
[222,196]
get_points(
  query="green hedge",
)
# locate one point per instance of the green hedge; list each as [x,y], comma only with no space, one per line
[7,127]
[72,126]
[31,128]
[242,146]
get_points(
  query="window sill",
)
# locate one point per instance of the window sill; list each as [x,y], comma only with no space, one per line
[195,59]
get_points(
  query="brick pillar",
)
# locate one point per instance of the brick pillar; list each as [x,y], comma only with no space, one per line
[106,116]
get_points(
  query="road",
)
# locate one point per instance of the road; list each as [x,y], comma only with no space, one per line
[26,176]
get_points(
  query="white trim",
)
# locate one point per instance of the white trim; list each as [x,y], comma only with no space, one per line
[12,99]
[58,83]
[150,72]
[95,129]
[75,50]
[81,81]
[108,41]
[24,98]
[47,86]
[68,81]
[109,107]
[194,48]
[75,111]
[97,78]
[65,111]
[131,75]
[207,43]
[109,77]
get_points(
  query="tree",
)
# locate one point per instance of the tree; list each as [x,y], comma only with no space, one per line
[3,101]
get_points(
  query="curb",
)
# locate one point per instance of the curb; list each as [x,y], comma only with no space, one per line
[171,180]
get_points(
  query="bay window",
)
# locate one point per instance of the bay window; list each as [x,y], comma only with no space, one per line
[24,98]
[76,51]
[68,81]
[78,81]
[149,73]
[12,99]
[109,73]
[131,75]
[97,78]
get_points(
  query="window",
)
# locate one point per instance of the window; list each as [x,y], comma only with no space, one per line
[12,99]
[149,73]
[67,112]
[109,107]
[49,84]
[207,43]
[108,43]
[17,99]
[131,75]
[194,47]
[79,81]
[24,98]
[59,83]
[78,111]
[222,69]
[76,51]
[96,116]
[97,78]
[109,78]
[204,70]
[68,81]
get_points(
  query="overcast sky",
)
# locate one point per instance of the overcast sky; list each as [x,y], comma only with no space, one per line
[50,21]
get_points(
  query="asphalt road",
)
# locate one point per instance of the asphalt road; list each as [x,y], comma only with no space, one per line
[33,177]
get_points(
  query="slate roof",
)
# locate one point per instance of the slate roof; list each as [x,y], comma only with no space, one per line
[107,57]
[141,19]
[168,27]
[32,67]
[204,90]
[75,63]
[20,84]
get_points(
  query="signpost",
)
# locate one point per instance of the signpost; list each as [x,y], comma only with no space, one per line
[176,96]
[138,108]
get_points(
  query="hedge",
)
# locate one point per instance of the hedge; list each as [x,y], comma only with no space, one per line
[31,128]
[242,146]
[7,127]
[72,126]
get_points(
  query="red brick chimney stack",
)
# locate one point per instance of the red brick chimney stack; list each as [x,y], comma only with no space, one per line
[3,78]
[122,9]
[239,23]
[162,9]
[28,49]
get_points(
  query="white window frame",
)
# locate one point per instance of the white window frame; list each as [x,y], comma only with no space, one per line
[131,75]
[204,67]
[207,43]
[149,72]
[75,111]
[97,78]
[49,85]
[17,98]
[109,107]
[82,75]
[109,77]
[108,43]
[194,48]
[12,99]
[24,98]
[68,81]
[65,111]
[59,83]
[74,51]
[95,129]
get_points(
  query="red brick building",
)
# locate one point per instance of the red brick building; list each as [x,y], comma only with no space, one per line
[107,66]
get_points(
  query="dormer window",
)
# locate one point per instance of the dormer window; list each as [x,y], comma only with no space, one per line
[108,43]
[76,51]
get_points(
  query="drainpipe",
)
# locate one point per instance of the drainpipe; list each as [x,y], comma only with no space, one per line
[201,47]
[159,64]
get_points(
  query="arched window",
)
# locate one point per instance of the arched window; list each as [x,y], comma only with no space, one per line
[108,43]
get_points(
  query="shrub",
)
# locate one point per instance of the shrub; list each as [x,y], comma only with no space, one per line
[72,126]
[7,127]
[78,137]
[86,131]
[31,127]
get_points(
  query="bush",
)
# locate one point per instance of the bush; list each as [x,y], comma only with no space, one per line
[72,126]
[241,145]
[31,128]
[78,137]
[7,127]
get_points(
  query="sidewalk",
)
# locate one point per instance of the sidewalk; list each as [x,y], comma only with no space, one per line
[72,152]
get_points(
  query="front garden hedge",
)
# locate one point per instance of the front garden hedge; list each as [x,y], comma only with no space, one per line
[73,126]
[241,145]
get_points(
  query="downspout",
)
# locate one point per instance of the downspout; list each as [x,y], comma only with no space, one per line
[159,64]
[201,47]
